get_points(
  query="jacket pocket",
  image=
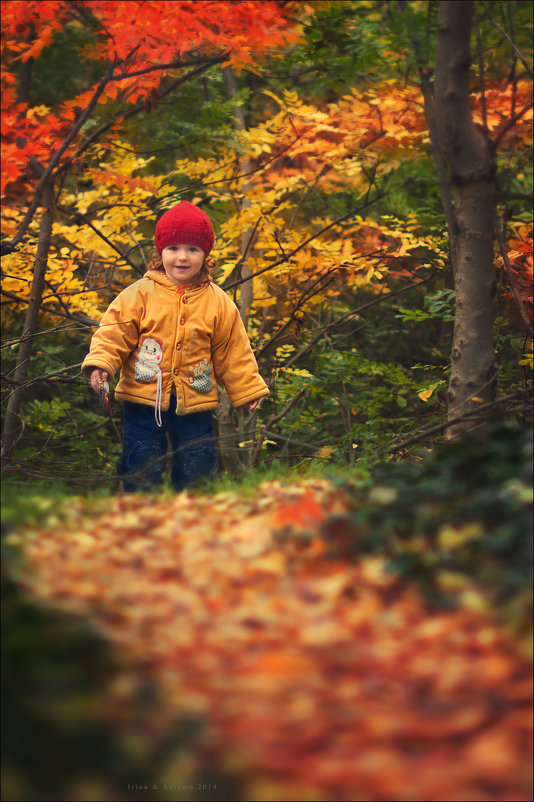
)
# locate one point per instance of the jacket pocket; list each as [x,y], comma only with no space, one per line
[199,383]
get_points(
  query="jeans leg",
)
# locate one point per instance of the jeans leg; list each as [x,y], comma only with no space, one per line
[143,449]
[194,449]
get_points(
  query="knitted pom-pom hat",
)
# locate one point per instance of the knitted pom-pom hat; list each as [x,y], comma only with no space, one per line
[184,224]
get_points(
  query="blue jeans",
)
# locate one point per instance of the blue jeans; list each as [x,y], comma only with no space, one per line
[144,446]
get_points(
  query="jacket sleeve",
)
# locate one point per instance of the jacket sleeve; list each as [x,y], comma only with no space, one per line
[115,338]
[234,363]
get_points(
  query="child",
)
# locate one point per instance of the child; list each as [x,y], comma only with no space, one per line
[174,335]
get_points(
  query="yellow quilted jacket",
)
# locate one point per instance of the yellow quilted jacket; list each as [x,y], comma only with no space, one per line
[161,336]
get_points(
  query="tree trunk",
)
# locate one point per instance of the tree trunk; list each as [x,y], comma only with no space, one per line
[246,292]
[441,173]
[471,163]
[232,431]
[13,426]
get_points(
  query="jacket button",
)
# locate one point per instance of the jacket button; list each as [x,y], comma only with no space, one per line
[182,321]
[178,346]
[184,300]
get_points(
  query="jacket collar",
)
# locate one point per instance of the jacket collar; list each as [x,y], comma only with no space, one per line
[159,277]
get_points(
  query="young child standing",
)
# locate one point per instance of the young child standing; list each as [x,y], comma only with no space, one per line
[174,335]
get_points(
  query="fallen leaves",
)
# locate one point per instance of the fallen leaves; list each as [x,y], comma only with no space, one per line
[317,679]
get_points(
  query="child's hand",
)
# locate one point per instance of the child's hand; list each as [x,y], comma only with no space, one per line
[98,377]
[250,405]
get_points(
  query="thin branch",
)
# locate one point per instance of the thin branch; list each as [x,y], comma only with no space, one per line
[523,196]
[303,244]
[275,419]
[136,109]
[44,377]
[481,76]
[512,282]
[47,172]
[236,270]
[15,340]
[74,213]
[235,177]
[78,317]
[292,440]
[440,427]
[169,65]
[315,289]
[513,44]
[353,312]
[505,126]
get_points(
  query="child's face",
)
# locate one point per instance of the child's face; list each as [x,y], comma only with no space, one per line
[182,262]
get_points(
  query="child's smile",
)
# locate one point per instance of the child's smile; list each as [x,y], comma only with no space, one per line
[182,262]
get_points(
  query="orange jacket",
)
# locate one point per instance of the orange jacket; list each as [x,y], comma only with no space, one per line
[162,336]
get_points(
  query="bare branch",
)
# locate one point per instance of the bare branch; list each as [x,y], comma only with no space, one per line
[303,244]
[78,317]
[506,126]
[350,314]
[136,109]
[516,50]
[512,282]
[274,419]
[44,377]
[288,440]
[75,213]
[47,172]
[177,64]
[481,77]
[440,427]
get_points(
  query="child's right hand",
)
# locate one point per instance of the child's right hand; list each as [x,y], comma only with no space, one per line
[98,376]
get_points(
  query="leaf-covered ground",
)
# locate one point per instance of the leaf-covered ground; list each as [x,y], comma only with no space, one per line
[305,676]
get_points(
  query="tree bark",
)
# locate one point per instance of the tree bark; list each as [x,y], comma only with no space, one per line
[13,426]
[470,159]
[437,151]
[231,430]
[441,172]
[246,290]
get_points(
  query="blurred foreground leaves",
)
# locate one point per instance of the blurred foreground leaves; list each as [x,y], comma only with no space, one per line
[306,642]
[459,523]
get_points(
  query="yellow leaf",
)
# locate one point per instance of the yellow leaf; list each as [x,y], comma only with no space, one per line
[473,600]
[451,581]
[424,395]
[40,111]
[375,570]
[451,537]
[382,495]
[274,97]
[325,452]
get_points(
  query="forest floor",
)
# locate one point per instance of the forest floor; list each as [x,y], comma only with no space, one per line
[266,663]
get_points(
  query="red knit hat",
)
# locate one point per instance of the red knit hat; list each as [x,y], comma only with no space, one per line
[184,224]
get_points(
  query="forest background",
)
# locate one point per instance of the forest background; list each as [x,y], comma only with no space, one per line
[368,169]
[336,202]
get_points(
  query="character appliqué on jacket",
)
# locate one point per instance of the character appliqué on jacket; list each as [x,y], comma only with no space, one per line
[201,378]
[147,366]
